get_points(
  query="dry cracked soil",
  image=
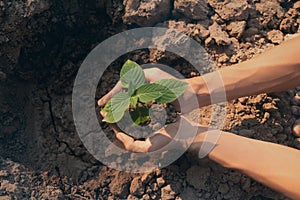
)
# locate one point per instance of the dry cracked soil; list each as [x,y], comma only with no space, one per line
[43,43]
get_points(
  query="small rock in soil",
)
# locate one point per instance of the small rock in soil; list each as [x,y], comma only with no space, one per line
[160,181]
[167,192]
[146,13]
[275,36]
[246,183]
[234,193]
[120,184]
[52,193]
[297,143]
[131,197]
[189,193]
[269,106]
[224,188]
[231,10]
[193,9]
[296,128]
[218,35]
[296,99]
[197,176]
[236,29]
[146,197]
[137,187]
[271,13]
[2,76]
[296,110]
[288,25]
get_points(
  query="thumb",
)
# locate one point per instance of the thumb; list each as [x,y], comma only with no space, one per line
[103,114]
[104,99]
[108,96]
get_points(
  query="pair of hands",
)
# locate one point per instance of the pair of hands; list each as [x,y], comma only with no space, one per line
[163,136]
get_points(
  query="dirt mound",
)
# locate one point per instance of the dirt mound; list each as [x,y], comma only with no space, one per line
[42,44]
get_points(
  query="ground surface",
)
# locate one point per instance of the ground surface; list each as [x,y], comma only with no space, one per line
[42,44]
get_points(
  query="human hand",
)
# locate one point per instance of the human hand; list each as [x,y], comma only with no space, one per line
[161,137]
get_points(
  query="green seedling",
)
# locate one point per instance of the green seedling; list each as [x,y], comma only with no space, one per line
[137,95]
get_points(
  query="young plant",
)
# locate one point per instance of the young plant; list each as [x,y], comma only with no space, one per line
[137,94]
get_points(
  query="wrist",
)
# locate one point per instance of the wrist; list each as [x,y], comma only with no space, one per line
[197,86]
[222,153]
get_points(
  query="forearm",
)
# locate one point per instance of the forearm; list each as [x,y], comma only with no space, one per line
[273,165]
[275,70]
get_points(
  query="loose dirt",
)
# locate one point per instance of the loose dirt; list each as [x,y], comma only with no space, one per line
[42,44]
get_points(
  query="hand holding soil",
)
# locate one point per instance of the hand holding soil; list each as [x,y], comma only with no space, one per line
[158,140]
[139,104]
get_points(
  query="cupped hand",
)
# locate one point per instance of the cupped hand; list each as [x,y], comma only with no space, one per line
[158,140]
[161,137]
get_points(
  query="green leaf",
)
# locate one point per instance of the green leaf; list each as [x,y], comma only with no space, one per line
[107,107]
[172,90]
[133,101]
[131,88]
[132,72]
[113,117]
[149,92]
[120,102]
[140,115]
[116,107]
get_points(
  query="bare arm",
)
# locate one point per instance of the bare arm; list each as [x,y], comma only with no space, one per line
[275,166]
[275,70]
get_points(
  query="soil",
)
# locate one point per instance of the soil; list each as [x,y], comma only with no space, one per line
[159,114]
[43,43]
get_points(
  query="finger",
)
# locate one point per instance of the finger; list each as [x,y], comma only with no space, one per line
[115,128]
[158,141]
[133,145]
[139,146]
[126,140]
[107,97]
[103,114]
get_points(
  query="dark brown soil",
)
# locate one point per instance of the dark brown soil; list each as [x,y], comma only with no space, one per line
[42,44]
